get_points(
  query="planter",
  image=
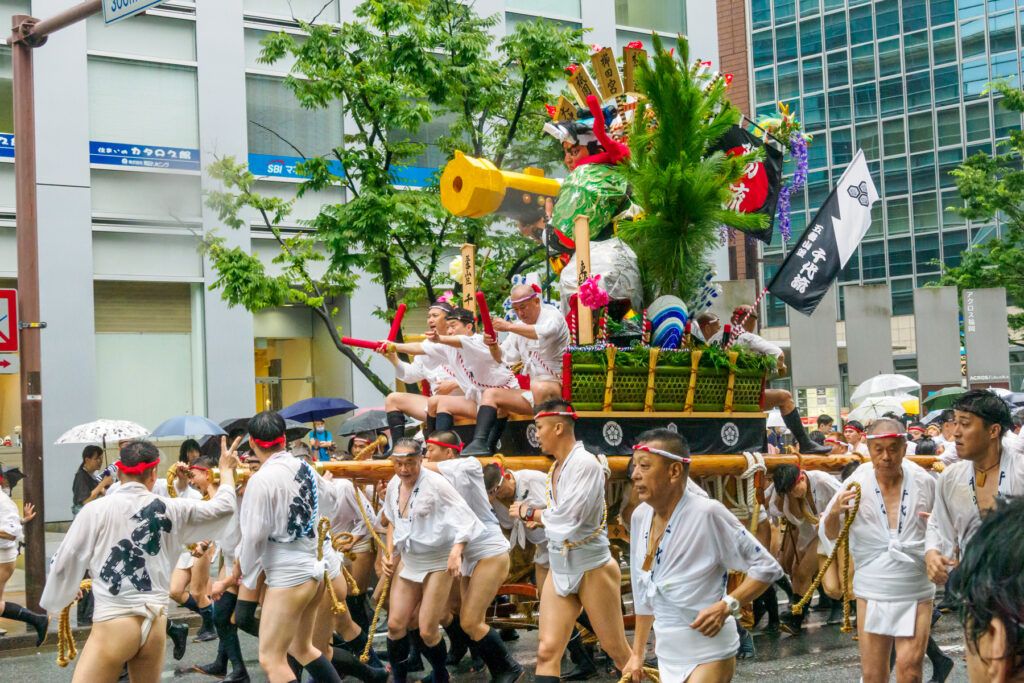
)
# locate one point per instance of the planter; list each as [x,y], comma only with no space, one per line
[670,386]
[629,387]
[588,386]
[709,391]
[747,391]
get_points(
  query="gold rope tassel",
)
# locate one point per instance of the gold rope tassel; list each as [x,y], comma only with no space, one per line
[365,657]
[842,545]
[66,650]
[323,530]
[649,673]
[338,541]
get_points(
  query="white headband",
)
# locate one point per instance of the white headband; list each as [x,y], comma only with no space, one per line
[664,454]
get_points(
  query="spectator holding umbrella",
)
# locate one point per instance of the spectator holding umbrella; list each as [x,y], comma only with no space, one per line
[88,485]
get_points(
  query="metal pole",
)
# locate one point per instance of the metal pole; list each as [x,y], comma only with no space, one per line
[28,308]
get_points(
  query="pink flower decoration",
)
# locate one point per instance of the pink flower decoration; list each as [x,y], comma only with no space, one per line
[591,294]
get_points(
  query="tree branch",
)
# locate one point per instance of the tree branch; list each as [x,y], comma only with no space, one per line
[279,137]
[513,127]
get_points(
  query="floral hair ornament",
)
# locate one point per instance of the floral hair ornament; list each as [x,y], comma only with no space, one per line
[664,454]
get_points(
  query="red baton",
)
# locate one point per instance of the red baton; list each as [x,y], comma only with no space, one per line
[360,343]
[485,315]
[396,324]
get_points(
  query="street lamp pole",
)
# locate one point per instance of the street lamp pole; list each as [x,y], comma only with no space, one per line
[29,33]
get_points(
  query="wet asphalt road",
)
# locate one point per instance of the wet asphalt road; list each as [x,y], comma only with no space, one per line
[821,654]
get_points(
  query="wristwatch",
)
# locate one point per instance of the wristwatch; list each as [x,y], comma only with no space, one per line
[733,605]
[529,515]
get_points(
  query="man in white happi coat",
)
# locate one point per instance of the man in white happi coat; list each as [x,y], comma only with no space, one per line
[991,463]
[682,547]
[129,541]
[583,573]
[538,339]
[398,404]
[505,487]
[799,496]
[894,595]
[284,500]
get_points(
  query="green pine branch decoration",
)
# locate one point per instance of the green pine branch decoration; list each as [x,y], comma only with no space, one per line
[681,184]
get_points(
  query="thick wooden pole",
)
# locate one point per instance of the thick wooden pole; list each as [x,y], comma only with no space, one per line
[584,318]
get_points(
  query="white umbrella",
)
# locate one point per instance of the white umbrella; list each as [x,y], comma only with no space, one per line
[883,385]
[775,418]
[102,431]
[874,407]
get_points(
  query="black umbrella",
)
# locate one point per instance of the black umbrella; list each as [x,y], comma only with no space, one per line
[367,420]
[312,409]
[12,475]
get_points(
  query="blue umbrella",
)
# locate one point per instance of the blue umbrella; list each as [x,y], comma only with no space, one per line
[312,409]
[188,425]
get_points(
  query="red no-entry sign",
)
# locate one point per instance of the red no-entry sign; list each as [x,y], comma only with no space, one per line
[8,320]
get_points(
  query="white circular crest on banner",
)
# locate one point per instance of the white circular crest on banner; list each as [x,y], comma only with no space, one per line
[730,434]
[612,433]
[531,435]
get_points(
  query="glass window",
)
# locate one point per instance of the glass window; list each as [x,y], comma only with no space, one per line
[785,43]
[814,110]
[926,215]
[817,188]
[977,118]
[877,226]
[764,84]
[980,148]
[919,91]
[948,127]
[150,36]
[982,234]
[865,102]
[761,13]
[902,292]
[656,15]
[873,260]
[915,48]
[920,128]
[863,57]
[860,25]
[810,37]
[942,11]
[951,201]
[143,103]
[900,257]
[1006,120]
[890,94]
[949,159]
[944,44]
[833,4]
[851,271]
[867,140]
[889,57]
[789,81]
[915,15]
[897,216]
[817,156]
[842,146]
[272,109]
[1005,66]
[301,9]
[1002,33]
[954,242]
[835,31]
[839,107]
[809,7]
[970,8]
[896,176]
[972,38]
[513,19]
[838,69]
[975,75]
[813,80]
[763,47]
[922,171]
[894,137]
[785,10]
[947,85]
[887,18]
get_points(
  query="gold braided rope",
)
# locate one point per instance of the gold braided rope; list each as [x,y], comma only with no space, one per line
[805,511]
[172,473]
[842,545]
[365,656]
[336,541]
[366,450]
[66,650]
[323,530]
[650,674]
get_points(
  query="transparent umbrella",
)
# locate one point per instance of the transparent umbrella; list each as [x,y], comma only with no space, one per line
[883,385]
[874,407]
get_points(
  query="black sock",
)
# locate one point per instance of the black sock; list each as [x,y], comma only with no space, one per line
[398,653]
[584,621]
[429,425]
[322,670]
[19,613]
[294,665]
[771,605]
[226,631]
[436,656]
[245,617]
[935,653]
[396,425]
[494,653]
[207,614]
[357,608]
[191,604]
[545,679]
[357,644]
[348,664]
[443,422]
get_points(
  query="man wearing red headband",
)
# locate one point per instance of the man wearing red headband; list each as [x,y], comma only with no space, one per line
[887,543]
[799,496]
[129,540]
[485,560]
[680,546]
[853,432]
[583,573]
[429,526]
[538,340]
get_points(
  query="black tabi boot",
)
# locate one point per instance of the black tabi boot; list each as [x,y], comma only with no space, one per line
[486,416]
[436,655]
[787,588]
[429,426]
[322,671]
[503,668]
[584,664]
[348,664]
[206,631]
[835,612]
[357,608]
[178,633]
[458,642]
[443,422]
[807,447]
[793,623]
[40,622]
[414,662]
[396,425]
[398,654]
[245,617]
[496,432]
[942,665]
[771,604]
[356,647]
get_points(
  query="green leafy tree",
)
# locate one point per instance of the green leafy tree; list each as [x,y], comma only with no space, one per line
[993,187]
[393,69]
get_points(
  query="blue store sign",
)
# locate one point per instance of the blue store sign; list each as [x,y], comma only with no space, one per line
[143,156]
